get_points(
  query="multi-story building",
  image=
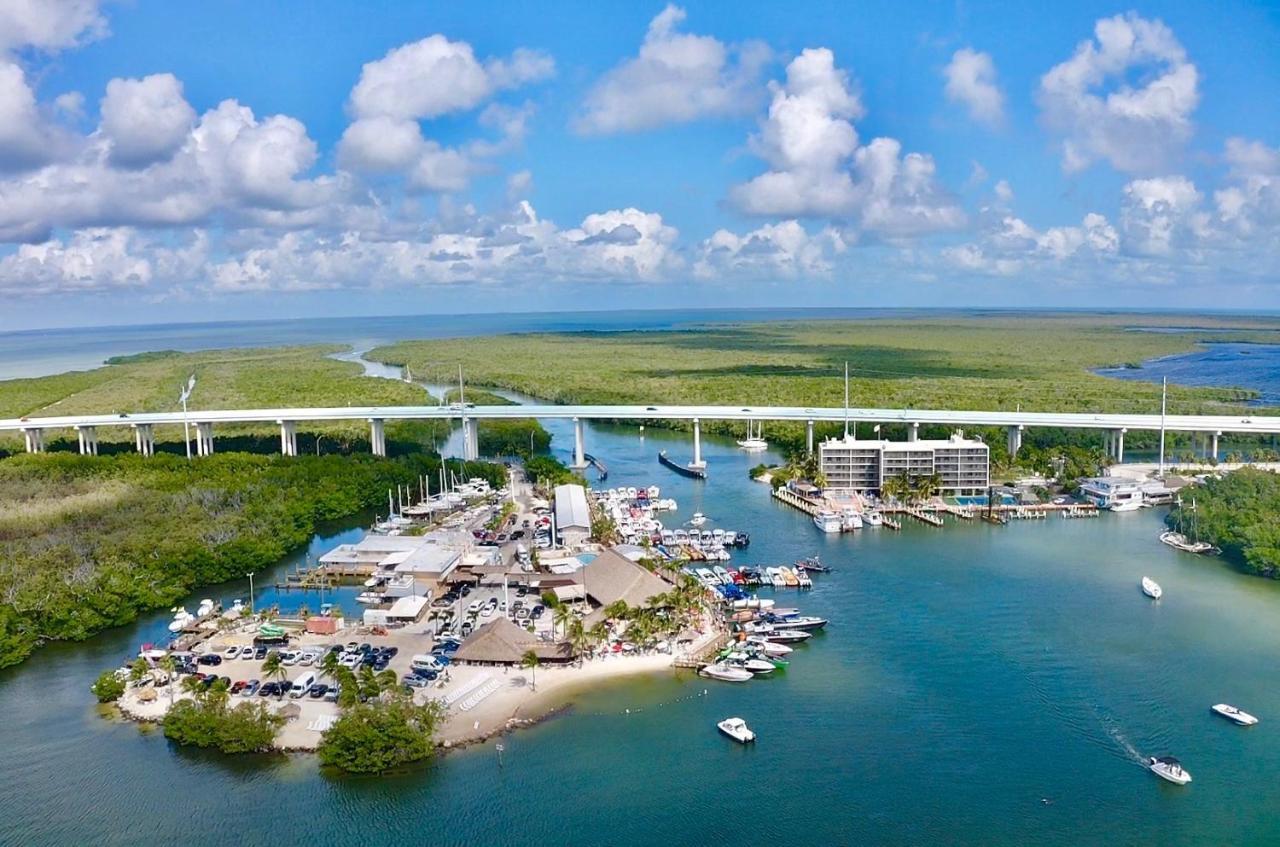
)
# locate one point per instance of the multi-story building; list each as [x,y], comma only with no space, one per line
[851,464]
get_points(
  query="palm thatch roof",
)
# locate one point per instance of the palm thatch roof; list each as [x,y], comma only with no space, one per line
[503,642]
[611,577]
[291,711]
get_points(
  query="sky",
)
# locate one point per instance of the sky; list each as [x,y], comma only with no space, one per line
[167,160]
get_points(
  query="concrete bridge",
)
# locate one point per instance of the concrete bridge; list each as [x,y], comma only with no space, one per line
[1113,426]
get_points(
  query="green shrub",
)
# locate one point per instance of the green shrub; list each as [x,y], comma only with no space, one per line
[381,735]
[108,687]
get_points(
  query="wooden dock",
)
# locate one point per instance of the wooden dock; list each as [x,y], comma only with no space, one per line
[695,661]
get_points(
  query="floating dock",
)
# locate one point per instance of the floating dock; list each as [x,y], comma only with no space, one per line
[598,465]
[683,470]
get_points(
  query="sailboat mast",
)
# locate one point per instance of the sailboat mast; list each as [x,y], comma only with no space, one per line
[846,399]
[1164,400]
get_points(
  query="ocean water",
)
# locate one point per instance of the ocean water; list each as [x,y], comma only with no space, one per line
[43,352]
[1224,364]
[977,685]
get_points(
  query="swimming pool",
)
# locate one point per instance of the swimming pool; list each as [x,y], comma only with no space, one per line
[981,500]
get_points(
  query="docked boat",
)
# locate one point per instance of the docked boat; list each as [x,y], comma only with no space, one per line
[180,619]
[740,659]
[850,520]
[873,518]
[1178,541]
[769,648]
[368,598]
[788,576]
[725,673]
[782,636]
[1167,767]
[828,522]
[1151,588]
[1233,714]
[736,728]
[803,622]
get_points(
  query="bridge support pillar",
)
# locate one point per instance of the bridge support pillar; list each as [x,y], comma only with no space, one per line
[145,440]
[1213,446]
[808,436]
[34,439]
[579,449]
[88,440]
[288,438]
[377,437]
[697,446]
[1117,444]
[470,440]
[1014,440]
[913,432]
[204,439]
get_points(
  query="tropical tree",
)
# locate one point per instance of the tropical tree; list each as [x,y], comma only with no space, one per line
[617,610]
[579,639]
[530,662]
[192,685]
[598,633]
[138,668]
[560,618]
[274,668]
[329,664]
[170,667]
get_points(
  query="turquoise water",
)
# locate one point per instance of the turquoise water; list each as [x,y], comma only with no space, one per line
[1255,366]
[968,676]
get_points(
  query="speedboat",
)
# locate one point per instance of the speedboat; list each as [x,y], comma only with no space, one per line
[1167,767]
[828,522]
[1235,715]
[1151,588]
[739,659]
[368,598]
[724,673]
[736,728]
[787,576]
[780,636]
[796,621]
[769,648]
[812,564]
[698,519]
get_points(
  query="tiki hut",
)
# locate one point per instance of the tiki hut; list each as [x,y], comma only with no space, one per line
[501,642]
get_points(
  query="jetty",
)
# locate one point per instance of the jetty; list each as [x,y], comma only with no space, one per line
[598,465]
[683,470]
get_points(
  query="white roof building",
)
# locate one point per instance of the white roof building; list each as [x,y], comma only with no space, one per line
[571,508]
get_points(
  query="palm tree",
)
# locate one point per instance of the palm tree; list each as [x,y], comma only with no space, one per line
[138,669]
[530,661]
[191,685]
[561,617]
[387,679]
[170,666]
[598,633]
[329,665]
[274,668]
[617,610]
[578,637]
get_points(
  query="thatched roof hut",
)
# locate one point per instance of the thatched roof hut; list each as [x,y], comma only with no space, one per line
[611,577]
[502,642]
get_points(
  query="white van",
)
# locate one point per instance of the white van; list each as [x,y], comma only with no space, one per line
[302,684]
[423,662]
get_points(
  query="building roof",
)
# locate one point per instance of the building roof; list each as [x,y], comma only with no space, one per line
[408,608]
[502,641]
[611,577]
[430,559]
[956,440]
[571,507]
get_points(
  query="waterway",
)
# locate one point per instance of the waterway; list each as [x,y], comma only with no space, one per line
[977,685]
[1253,366]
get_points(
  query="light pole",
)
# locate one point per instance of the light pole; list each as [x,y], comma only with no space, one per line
[250,592]
[318,438]
[186,426]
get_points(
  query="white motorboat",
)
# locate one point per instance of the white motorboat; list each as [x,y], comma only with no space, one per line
[739,659]
[753,602]
[780,636]
[1167,767]
[368,598]
[796,621]
[206,606]
[850,520]
[1151,588]
[828,522]
[1235,715]
[724,673]
[180,620]
[770,648]
[698,519]
[736,728]
[873,518]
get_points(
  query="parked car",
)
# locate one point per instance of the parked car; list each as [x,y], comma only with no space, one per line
[250,688]
[209,659]
[317,691]
[536,611]
[238,686]
[331,696]
[231,653]
[415,681]
[260,653]
[268,689]
[467,628]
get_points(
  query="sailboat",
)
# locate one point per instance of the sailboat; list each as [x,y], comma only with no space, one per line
[754,442]
[1179,541]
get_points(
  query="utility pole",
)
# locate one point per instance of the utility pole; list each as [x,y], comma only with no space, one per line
[1164,398]
[186,426]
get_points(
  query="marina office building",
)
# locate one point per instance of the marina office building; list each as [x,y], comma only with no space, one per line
[851,464]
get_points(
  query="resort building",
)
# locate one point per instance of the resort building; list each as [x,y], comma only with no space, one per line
[851,464]
[612,576]
[502,642]
[573,515]
[1112,492]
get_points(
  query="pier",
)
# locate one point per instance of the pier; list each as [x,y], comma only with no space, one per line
[683,470]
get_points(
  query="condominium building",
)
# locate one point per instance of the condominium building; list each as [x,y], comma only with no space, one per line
[851,464]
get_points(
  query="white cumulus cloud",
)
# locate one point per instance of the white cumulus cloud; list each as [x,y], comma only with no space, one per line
[817,167]
[1137,128]
[49,24]
[971,81]
[146,120]
[676,78]
[783,249]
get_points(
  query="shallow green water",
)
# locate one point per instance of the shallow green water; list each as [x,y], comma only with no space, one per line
[968,676]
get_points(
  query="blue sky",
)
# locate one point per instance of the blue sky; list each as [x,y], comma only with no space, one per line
[174,160]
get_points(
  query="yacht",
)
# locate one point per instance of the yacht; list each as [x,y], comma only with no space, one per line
[1167,767]
[850,520]
[698,519]
[724,673]
[873,519]
[1235,715]
[180,620]
[1151,588]
[736,728]
[754,442]
[828,522]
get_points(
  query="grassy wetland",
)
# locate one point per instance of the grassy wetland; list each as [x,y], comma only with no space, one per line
[1005,362]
